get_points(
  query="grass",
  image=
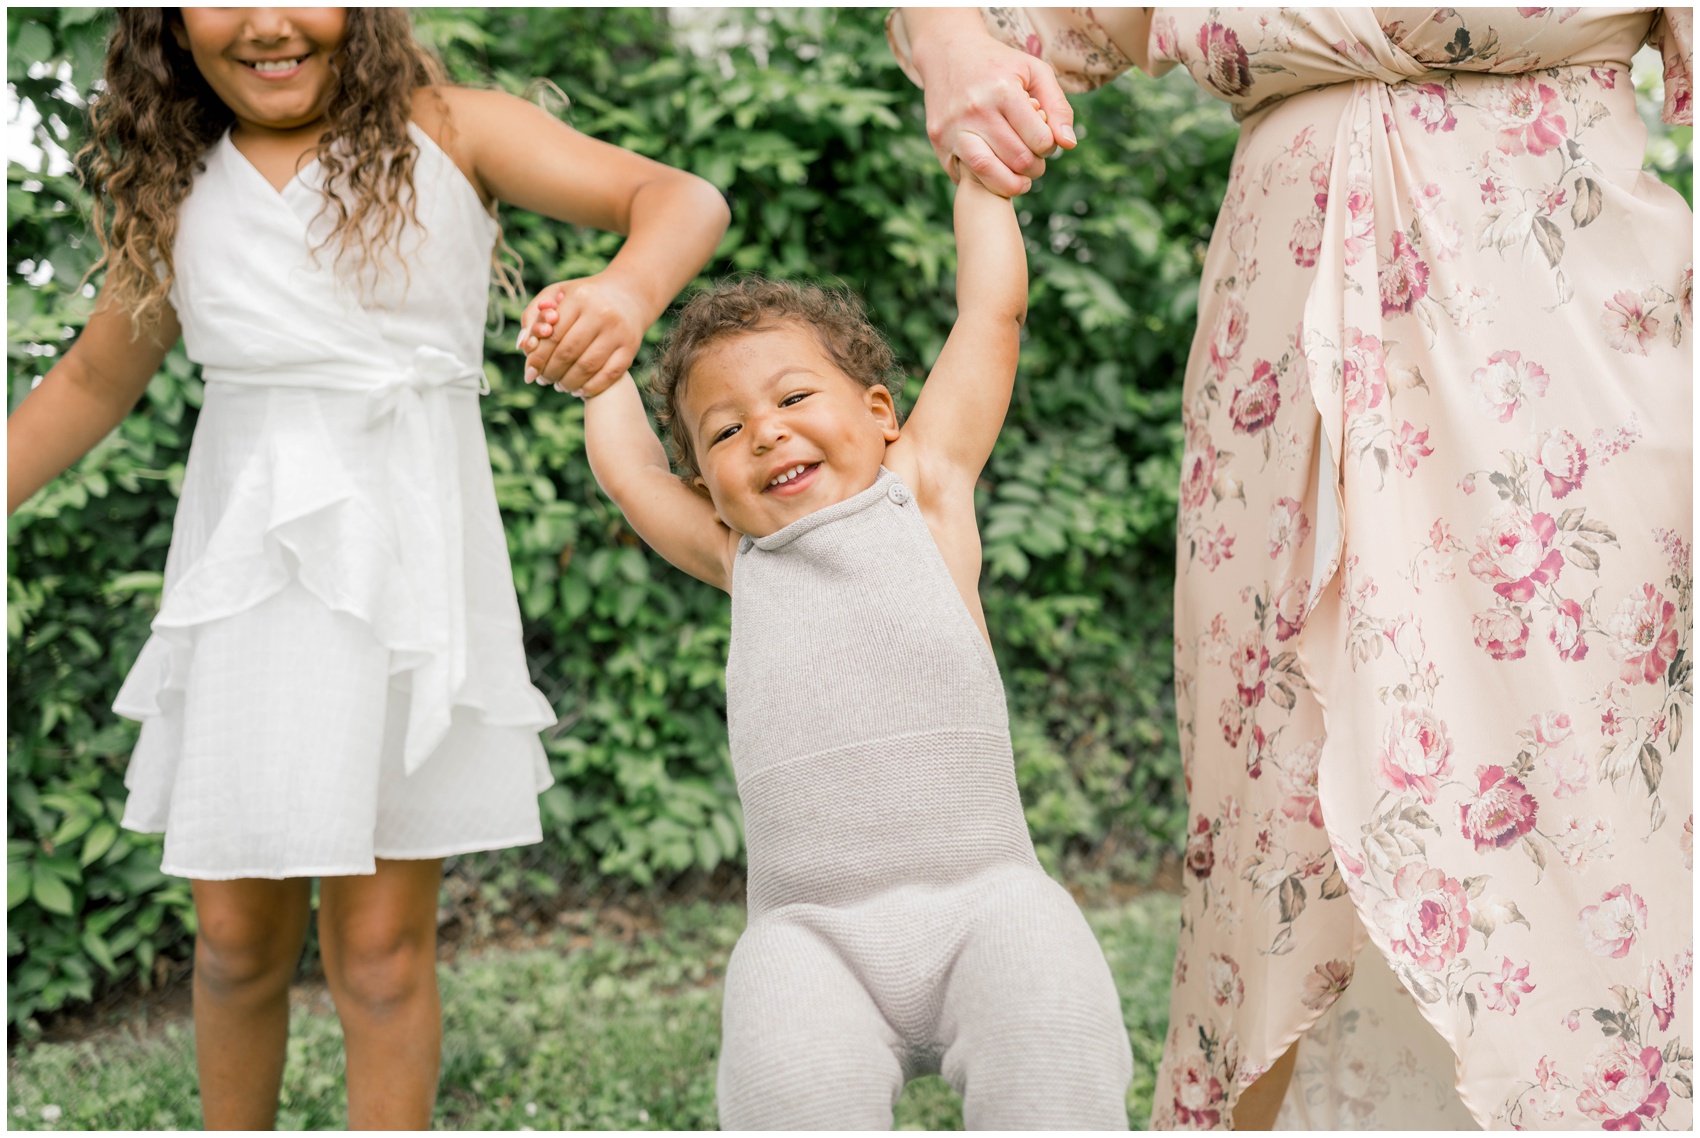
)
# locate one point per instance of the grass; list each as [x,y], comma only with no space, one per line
[587,1032]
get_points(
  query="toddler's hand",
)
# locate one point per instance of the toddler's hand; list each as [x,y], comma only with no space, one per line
[581,335]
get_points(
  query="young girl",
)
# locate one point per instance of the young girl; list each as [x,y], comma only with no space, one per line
[899,921]
[335,686]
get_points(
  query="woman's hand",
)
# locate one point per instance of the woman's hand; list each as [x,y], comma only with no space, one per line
[987,103]
[582,335]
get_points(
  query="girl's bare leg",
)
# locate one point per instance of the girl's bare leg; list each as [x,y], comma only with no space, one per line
[378,936]
[1261,1102]
[247,943]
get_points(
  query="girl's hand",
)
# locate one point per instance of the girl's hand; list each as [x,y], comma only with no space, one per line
[582,335]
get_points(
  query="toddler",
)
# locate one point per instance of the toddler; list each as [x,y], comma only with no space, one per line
[899,923]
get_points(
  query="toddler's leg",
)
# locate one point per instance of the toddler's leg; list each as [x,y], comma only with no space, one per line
[1032,1025]
[802,1047]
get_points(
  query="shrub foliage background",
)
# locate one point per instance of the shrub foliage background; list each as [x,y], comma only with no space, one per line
[802,118]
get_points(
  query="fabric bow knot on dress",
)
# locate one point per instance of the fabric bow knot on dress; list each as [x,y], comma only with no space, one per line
[427,506]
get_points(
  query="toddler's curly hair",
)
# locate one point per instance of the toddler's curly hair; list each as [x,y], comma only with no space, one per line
[756,304]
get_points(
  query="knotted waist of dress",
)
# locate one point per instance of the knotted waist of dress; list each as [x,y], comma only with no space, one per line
[425,496]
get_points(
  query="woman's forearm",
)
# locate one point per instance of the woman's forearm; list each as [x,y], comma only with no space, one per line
[930,32]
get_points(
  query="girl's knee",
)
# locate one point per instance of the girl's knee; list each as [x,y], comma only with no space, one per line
[379,968]
[233,955]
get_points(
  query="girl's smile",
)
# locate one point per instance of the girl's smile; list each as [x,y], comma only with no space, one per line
[273,67]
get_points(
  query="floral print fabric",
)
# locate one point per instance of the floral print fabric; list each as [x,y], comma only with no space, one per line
[1434,601]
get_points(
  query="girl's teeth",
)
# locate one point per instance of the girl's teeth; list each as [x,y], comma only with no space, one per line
[274,64]
[788,475]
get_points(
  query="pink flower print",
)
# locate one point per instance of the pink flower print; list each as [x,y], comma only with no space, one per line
[1200,849]
[1563,461]
[1298,784]
[1467,484]
[1621,1088]
[1232,721]
[1501,812]
[1507,382]
[1168,39]
[1320,175]
[1688,843]
[1365,372]
[1550,728]
[1573,1021]
[1523,113]
[1198,472]
[1628,326]
[1215,548]
[1427,920]
[1679,91]
[1661,993]
[1406,633]
[1254,406]
[1501,633]
[1415,750]
[1289,605]
[1229,334]
[1505,993]
[1306,241]
[1226,987]
[1429,107]
[1515,553]
[1492,192]
[1289,528]
[1199,1097]
[1685,295]
[1360,220]
[1403,277]
[1606,77]
[1644,636]
[1325,983]
[1410,445]
[1566,633]
[1552,200]
[1610,928]
[1249,663]
[1226,65]
[1569,774]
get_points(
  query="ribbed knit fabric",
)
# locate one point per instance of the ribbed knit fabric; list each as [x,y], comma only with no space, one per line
[900,924]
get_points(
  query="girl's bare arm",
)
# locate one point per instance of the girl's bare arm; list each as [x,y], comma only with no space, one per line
[82,398]
[673,221]
[630,465]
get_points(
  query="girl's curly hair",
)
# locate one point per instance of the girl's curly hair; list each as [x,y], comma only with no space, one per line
[153,122]
[754,304]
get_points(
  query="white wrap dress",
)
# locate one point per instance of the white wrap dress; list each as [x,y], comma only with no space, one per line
[336,673]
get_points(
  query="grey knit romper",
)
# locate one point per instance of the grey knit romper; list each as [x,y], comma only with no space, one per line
[899,923]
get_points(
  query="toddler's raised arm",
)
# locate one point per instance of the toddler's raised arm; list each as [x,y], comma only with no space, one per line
[630,465]
[961,409]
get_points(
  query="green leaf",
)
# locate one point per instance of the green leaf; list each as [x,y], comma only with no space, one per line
[17,883]
[99,840]
[51,892]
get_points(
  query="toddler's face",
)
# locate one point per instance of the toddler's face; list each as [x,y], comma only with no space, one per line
[271,66]
[779,430]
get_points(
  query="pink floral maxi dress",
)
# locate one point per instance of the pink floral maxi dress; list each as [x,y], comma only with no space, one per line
[1433,608]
